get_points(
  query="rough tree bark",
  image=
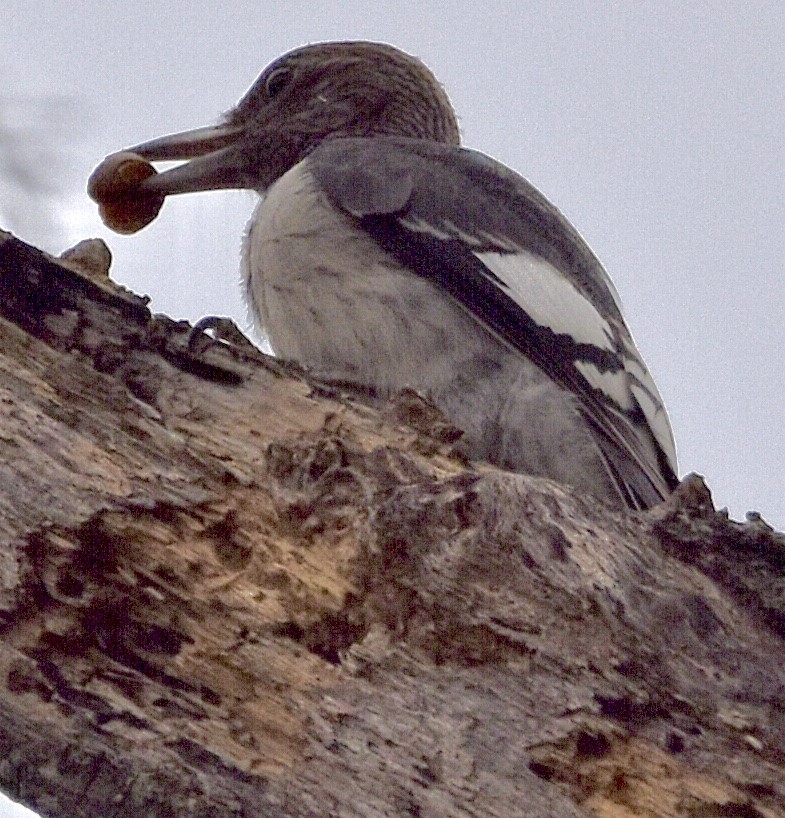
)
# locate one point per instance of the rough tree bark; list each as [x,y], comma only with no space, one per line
[227,590]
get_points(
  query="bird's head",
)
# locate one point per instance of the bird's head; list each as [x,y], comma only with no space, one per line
[343,89]
[314,93]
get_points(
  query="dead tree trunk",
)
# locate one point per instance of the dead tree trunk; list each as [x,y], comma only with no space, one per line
[229,591]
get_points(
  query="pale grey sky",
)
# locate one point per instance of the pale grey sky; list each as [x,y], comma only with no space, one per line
[656,127]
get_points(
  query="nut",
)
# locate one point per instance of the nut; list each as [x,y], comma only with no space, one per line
[114,184]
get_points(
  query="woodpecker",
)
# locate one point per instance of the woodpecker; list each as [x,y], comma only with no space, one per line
[384,252]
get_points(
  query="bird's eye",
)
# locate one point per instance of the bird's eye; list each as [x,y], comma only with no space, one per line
[277,81]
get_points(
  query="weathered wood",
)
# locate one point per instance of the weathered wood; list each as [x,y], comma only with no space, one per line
[229,591]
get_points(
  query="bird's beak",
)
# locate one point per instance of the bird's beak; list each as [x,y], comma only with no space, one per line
[215,162]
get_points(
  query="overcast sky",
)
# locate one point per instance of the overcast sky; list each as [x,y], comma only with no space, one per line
[657,128]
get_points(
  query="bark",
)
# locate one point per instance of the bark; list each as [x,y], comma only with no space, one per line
[231,590]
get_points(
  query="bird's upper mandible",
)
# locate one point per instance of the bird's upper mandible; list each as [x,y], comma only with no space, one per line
[385,252]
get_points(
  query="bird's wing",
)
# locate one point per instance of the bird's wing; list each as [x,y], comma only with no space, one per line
[510,258]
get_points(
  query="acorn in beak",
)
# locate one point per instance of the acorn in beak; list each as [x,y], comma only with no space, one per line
[130,192]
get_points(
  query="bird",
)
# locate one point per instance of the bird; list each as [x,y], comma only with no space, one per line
[383,252]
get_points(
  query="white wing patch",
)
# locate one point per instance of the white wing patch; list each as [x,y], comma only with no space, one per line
[626,389]
[654,411]
[418,225]
[550,298]
[554,302]
[630,386]
[614,385]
